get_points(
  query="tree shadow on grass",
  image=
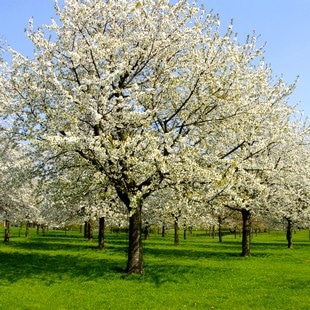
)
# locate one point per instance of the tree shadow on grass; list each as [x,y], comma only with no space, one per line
[65,243]
[49,269]
[179,253]
[52,246]
[52,259]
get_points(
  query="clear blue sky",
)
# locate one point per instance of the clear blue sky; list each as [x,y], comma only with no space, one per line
[284,25]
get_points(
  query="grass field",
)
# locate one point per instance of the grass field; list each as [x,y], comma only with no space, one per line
[61,271]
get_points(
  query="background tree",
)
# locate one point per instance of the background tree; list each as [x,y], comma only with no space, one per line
[251,147]
[18,200]
[290,181]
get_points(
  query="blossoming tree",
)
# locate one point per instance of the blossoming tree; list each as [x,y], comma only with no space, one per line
[290,182]
[140,91]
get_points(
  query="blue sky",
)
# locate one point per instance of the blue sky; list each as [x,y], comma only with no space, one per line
[284,25]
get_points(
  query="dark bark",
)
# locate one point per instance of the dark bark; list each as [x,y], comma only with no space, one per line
[85,229]
[185,232]
[135,255]
[176,232]
[89,231]
[289,233]
[220,229]
[163,231]
[7,231]
[101,233]
[246,232]
[147,231]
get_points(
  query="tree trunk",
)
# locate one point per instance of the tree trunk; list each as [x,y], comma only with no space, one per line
[289,233]
[89,231]
[176,233]
[7,231]
[101,233]
[135,255]
[191,230]
[27,230]
[85,229]
[185,232]
[163,230]
[220,228]
[213,231]
[147,231]
[246,232]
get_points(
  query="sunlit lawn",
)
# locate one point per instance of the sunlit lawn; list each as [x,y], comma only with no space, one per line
[61,271]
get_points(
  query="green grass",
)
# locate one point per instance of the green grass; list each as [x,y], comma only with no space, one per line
[67,272]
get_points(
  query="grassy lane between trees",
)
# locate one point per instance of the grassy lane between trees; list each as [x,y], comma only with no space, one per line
[59,271]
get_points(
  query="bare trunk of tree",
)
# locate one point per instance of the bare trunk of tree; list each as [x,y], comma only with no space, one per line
[90,231]
[43,229]
[85,229]
[101,232]
[135,255]
[147,231]
[27,230]
[246,232]
[7,231]
[289,233]
[176,233]
[220,228]
[163,230]
[190,230]
[185,232]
